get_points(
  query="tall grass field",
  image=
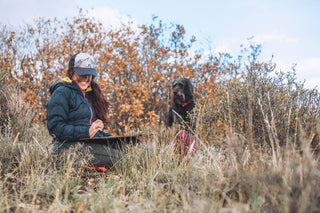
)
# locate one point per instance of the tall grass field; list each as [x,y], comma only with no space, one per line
[230,172]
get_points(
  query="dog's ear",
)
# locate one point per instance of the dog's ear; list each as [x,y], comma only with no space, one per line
[174,83]
[189,88]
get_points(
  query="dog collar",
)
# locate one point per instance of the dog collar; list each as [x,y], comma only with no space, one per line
[184,104]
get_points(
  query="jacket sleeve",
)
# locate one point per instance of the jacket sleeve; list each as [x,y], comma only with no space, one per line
[102,134]
[57,117]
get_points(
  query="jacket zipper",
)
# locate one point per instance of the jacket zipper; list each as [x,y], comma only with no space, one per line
[85,98]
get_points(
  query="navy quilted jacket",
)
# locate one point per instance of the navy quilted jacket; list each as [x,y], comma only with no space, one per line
[70,112]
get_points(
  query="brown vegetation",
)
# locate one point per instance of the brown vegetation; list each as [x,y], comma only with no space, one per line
[135,65]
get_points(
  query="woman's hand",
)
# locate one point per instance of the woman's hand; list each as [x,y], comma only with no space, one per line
[95,127]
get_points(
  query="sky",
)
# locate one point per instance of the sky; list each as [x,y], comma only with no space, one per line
[287,29]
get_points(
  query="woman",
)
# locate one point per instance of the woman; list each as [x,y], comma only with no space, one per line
[78,109]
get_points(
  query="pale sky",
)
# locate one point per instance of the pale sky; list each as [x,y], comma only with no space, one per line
[288,29]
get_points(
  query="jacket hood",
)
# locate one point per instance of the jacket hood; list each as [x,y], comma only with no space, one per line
[67,82]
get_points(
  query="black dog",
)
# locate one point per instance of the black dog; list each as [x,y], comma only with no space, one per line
[183,103]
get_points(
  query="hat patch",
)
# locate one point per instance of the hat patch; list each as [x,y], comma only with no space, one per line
[84,61]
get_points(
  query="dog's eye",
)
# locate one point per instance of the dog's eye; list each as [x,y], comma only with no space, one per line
[178,85]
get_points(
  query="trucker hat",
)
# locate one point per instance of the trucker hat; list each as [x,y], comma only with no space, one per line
[82,64]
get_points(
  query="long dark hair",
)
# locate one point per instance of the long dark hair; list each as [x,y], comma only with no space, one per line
[99,100]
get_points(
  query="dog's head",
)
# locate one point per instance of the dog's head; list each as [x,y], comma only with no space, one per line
[182,91]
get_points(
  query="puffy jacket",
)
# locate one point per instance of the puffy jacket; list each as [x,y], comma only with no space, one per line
[70,112]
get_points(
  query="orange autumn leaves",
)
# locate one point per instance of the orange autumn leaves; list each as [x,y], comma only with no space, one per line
[135,64]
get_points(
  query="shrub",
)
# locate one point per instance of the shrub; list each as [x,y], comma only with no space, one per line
[265,105]
[16,115]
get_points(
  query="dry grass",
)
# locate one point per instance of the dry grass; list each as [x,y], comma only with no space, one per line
[227,174]
[231,178]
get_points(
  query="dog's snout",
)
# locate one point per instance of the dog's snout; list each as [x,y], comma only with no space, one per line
[180,95]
